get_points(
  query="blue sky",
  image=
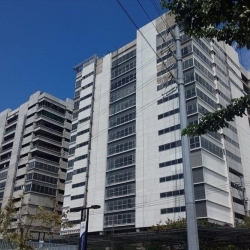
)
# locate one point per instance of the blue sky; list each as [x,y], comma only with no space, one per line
[41,40]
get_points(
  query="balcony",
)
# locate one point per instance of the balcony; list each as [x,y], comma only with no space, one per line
[46,149]
[5,159]
[44,107]
[7,140]
[45,155]
[48,129]
[6,150]
[52,118]
[46,139]
[58,108]
[12,120]
[8,131]
[42,160]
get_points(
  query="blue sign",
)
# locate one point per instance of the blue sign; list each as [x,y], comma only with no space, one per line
[83,235]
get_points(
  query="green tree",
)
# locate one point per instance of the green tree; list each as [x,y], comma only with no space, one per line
[17,227]
[216,242]
[226,20]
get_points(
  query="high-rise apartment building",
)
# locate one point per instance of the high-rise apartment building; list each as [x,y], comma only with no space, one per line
[34,151]
[125,150]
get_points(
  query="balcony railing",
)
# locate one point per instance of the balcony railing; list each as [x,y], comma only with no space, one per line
[5,150]
[53,130]
[50,109]
[49,118]
[7,158]
[8,131]
[47,139]
[47,149]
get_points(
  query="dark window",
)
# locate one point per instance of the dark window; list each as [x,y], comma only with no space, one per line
[89,74]
[79,196]
[170,163]
[173,210]
[82,144]
[83,132]
[2,185]
[171,177]
[79,171]
[74,126]
[169,113]
[170,145]
[84,119]
[81,157]
[85,97]
[170,129]
[80,184]
[172,193]
[88,85]
[69,176]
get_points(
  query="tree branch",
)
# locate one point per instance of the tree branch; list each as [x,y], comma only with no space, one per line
[220,118]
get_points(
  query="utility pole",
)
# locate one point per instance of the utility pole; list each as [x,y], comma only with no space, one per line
[192,230]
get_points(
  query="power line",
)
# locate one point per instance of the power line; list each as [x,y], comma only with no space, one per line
[131,19]
[155,27]
[164,20]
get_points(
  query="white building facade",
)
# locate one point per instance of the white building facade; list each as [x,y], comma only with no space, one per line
[125,150]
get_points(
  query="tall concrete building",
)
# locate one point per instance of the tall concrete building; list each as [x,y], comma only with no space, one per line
[125,150]
[34,151]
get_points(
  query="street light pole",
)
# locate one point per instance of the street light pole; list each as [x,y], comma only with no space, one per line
[192,230]
[80,247]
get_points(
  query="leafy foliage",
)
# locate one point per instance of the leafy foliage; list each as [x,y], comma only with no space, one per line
[215,244]
[227,20]
[220,118]
[245,223]
[169,224]
[17,227]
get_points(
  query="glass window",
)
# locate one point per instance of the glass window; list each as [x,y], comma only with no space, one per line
[121,161]
[123,92]
[121,132]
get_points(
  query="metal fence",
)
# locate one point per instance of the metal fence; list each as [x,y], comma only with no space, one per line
[40,246]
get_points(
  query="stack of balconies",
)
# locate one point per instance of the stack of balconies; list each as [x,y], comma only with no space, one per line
[120,176]
[42,164]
